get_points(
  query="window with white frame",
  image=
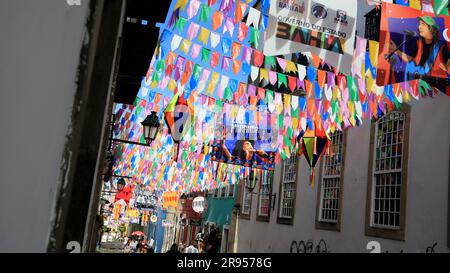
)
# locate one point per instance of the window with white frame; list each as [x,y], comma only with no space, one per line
[211,192]
[223,191]
[331,181]
[387,171]
[231,188]
[288,187]
[246,198]
[266,178]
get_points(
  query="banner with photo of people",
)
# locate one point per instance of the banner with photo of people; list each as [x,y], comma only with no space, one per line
[323,27]
[244,137]
[416,46]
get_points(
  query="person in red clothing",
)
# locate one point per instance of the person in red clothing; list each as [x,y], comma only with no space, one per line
[123,191]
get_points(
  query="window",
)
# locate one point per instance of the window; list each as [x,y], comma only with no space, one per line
[231,188]
[211,192]
[388,171]
[216,192]
[265,190]
[246,198]
[223,191]
[331,180]
[288,186]
[387,176]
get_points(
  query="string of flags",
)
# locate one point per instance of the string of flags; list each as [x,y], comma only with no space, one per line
[210,55]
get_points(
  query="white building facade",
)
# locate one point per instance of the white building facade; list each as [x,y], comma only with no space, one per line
[387,181]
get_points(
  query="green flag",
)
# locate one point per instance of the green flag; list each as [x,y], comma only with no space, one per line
[282,79]
[352,88]
[254,37]
[269,60]
[204,13]
[281,121]
[219,106]
[441,7]
[180,24]
[269,97]
[136,102]
[228,94]
[206,53]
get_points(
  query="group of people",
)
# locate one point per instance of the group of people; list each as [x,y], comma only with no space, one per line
[207,242]
[137,245]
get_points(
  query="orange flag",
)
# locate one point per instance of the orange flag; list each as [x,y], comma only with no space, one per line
[236,66]
[240,10]
[217,20]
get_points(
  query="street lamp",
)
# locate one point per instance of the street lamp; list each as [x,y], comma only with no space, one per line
[251,182]
[151,125]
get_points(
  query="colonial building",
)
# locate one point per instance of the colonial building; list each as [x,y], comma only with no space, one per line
[387,181]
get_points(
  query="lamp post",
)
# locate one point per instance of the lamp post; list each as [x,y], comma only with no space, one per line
[252,181]
[151,125]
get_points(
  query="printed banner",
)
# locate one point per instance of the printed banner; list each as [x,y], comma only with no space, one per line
[416,47]
[323,27]
[241,140]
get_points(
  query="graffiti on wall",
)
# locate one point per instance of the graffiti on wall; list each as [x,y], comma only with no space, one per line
[375,247]
[309,247]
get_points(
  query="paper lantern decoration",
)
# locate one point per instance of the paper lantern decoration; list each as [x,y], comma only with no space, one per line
[178,116]
[313,144]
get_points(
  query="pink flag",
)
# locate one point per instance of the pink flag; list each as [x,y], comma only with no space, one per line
[229,26]
[282,63]
[193,8]
[273,77]
[226,63]
[247,54]
[178,68]
[227,6]
[195,51]
[193,31]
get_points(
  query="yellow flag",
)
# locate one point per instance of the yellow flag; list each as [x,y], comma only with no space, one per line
[172,85]
[373,52]
[287,102]
[263,74]
[351,108]
[287,152]
[353,121]
[295,123]
[154,84]
[406,97]
[212,84]
[234,111]
[181,4]
[415,4]
[291,67]
[185,46]
[336,93]
[204,35]
[370,83]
